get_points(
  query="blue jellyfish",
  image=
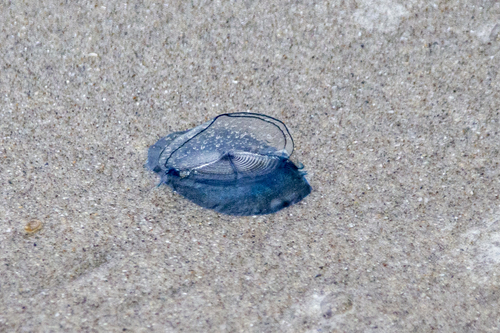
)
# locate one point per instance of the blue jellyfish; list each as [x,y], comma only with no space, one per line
[236,164]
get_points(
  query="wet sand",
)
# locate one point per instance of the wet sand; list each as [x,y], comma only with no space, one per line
[394,109]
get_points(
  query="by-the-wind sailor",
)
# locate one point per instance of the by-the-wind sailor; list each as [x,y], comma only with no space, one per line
[236,164]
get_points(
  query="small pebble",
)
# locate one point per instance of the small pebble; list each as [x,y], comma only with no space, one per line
[33,226]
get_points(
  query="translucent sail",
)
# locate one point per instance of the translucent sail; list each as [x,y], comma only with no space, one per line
[230,143]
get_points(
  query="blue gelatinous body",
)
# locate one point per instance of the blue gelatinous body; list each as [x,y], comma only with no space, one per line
[236,164]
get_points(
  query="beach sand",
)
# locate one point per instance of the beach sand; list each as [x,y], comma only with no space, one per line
[394,109]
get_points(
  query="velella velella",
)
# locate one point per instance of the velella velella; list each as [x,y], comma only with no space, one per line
[236,164]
